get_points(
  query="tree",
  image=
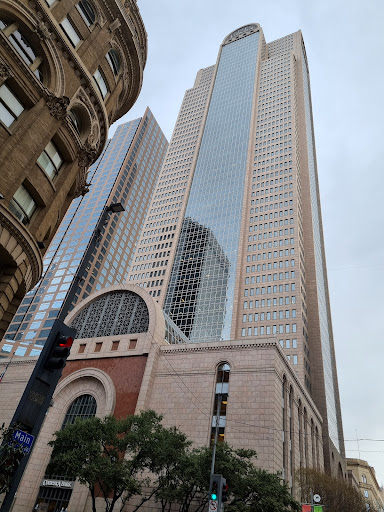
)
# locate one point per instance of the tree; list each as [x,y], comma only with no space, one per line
[111,455]
[336,493]
[11,453]
[136,457]
[250,488]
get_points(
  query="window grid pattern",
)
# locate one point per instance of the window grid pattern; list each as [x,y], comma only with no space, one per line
[328,360]
[126,172]
[155,249]
[208,237]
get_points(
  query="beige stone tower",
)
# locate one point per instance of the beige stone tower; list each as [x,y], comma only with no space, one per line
[233,246]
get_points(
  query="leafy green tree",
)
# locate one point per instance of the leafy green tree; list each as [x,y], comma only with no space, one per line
[11,453]
[250,488]
[113,456]
[137,457]
[336,493]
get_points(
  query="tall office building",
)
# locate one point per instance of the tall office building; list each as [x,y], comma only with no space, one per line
[91,234]
[239,194]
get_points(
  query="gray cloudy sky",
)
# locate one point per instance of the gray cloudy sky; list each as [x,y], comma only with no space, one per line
[345,44]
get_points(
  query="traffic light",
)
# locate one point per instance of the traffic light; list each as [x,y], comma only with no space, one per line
[224,492]
[214,490]
[60,348]
[217,487]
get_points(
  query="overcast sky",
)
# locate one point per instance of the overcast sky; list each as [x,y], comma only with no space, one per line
[345,44]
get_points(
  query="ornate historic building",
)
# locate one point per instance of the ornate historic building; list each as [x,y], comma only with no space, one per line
[364,476]
[68,69]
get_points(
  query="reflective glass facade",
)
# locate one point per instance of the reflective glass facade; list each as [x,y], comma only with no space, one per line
[125,173]
[201,290]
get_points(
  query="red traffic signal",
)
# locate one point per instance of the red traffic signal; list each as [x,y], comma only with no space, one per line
[60,351]
[224,493]
[65,341]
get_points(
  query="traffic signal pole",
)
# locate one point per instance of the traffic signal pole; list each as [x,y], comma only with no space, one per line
[30,413]
[219,399]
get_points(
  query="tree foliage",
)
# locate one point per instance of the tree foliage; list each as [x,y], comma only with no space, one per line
[336,493]
[11,453]
[110,455]
[136,459]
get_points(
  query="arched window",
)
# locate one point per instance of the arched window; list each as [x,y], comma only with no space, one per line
[317,448]
[313,444]
[364,479]
[113,59]
[23,47]
[57,498]
[83,407]
[291,437]
[300,423]
[284,427]
[101,82]
[75,120]
[87,12]
[219,418]
[306,437]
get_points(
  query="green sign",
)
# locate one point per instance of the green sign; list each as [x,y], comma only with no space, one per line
[317,508]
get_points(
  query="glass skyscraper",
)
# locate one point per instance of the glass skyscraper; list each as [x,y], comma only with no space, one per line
[238,197]
[125,173]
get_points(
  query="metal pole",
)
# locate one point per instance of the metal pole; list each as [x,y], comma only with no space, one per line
[219,398]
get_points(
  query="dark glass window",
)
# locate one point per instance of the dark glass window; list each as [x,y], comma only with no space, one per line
[221,391]
[10,106]
[75,120]
[114,61]
[87,12]
[22,46]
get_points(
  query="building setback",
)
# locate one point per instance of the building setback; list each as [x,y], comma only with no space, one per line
[239,194]
[125,173]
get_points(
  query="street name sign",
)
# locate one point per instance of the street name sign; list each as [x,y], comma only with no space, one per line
[23,439]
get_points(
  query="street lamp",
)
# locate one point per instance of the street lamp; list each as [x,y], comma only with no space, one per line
[92,245]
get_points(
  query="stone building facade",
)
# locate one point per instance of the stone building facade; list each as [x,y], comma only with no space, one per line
[128,365]
[68,70]
[364,475]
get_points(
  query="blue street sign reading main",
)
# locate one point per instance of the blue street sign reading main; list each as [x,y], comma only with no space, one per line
[24,439]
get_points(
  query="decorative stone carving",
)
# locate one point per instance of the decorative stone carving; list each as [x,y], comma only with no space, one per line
[112,314]
[82,96]
[81,185]
[87,155]
[114,25]
[58,106]
[5,71]
[42,31]
[94,137]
